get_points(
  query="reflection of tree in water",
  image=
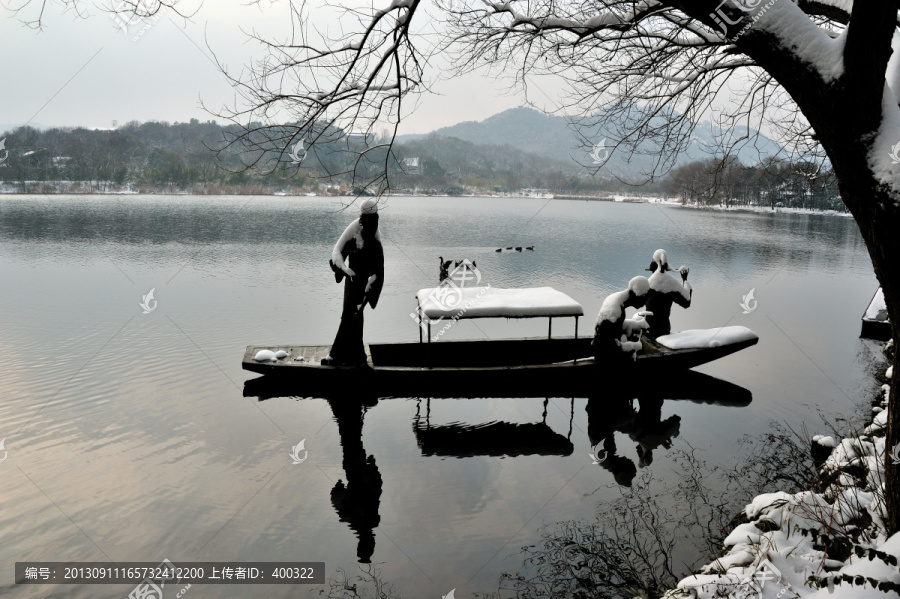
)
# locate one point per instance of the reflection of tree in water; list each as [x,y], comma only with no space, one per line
[778,459]
[625,551]
[368,583]
[629,548]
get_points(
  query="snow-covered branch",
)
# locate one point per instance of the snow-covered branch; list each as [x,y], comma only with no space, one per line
[615,17]
[834,10]
[33,12]
[653,68]
[330,89]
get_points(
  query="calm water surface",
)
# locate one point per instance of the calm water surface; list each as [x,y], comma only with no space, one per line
[129,437]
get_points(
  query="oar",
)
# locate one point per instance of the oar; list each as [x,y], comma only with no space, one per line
[361,306]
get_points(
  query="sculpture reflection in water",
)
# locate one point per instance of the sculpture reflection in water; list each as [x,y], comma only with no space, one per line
[613,411]
[645,426]
[658,531]
[606,417]
[357,500]
[618,409]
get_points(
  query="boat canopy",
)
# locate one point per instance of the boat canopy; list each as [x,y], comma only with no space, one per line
[493,302]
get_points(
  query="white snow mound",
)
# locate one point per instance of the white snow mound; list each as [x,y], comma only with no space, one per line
[699,338]
[265,355]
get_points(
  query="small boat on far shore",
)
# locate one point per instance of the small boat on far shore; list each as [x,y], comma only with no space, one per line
[875,323]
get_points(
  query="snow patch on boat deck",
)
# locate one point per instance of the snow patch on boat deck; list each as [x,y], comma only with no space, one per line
[700,338]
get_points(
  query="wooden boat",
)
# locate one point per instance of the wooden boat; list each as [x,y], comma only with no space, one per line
[504,362]
[515,361]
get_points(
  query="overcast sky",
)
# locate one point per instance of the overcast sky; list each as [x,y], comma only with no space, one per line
[87,72]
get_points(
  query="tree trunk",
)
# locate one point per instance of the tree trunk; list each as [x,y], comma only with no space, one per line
[879,228]
[847,126]
[892,475]
[878,217]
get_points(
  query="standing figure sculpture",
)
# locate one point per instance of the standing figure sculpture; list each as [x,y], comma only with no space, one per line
[664,291]
[359,257]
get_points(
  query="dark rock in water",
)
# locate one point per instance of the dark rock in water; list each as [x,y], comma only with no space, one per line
[819,453]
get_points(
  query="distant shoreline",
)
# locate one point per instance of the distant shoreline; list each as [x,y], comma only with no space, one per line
[612,198]
[767,210]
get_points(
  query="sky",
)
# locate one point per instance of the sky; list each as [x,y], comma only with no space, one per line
[88,72]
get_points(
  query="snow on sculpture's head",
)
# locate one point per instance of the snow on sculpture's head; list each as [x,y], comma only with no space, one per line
[639,286]
[369,206]
[660,261]
[368,217]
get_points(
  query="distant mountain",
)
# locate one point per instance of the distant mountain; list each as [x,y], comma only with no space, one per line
[523,128]
[554,137]
[454,156]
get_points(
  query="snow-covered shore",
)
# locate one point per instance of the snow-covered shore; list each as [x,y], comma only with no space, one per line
[670,201]
[814,544]
[766,210]
[110,188]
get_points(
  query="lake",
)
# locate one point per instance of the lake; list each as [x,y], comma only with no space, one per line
[129,438]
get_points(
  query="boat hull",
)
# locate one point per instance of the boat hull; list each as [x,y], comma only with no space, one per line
[402,368]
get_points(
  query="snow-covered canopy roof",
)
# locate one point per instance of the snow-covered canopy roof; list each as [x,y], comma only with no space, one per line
[492,302]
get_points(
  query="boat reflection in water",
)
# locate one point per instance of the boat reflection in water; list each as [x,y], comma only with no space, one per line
[617,409]
[495,439]
[637,414]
